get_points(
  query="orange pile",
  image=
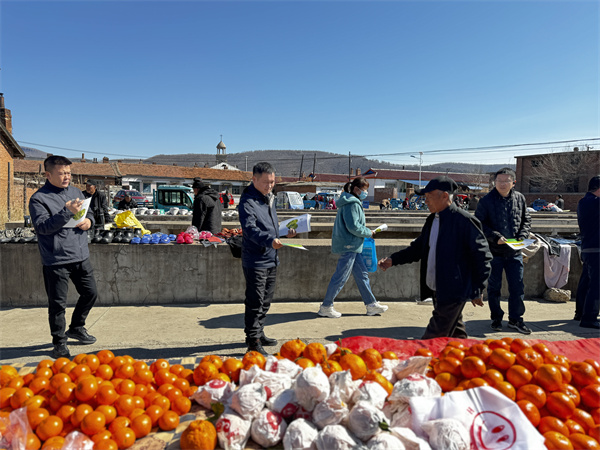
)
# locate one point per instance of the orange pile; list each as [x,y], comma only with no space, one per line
[561,398]
[112,399]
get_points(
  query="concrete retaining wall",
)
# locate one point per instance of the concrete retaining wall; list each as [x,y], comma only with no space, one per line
[173,274]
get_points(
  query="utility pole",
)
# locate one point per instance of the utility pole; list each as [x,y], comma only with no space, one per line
[420,164]
[301,164]
[246,164]
[314,166]
[349,166]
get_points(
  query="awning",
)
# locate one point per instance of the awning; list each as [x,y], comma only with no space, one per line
[415,182]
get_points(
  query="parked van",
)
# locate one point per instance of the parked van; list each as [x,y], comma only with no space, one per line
[167,197]
[289,200]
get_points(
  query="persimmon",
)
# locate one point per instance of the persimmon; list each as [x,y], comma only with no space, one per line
[530,411]
[80,412]
[173,394]
[594,363]
[174,369]
[447,381]
[560,405]
[124,404]
[162,401]
[125,371]
[183,385]
[518,376]
[106,444]
[104,371]
[422,351]
[548,377]
[292,350]
[20,396]
[498,343]
[159,364]
[448,364]
[105,356]
[79,371]
[501,358]
[519,344]
[574,427]
[106,395]
[595,432]
[553,440]
[456,344]
[125,387]
[154,412]
[572,392]
[530,359]
[354,364]
[372,358]
[551,423]
[142,376]
[117,362]
[492,376]
[590,395]
[584,442]
[38,384]
[44,371]
[66,392]
[37,401]
[564,371]
[5,394]
[472,367]
[49,427]
[533,393]
[583,418]
[101,435]
[181,405]
[305,363]
[388,354]
[583,373]
[59,363]
[16,383]
[231,367]
[163,376]
[57,380]
[507,389]
[453,352]
[595,412]
[315,351]
[213,359]
[482,351]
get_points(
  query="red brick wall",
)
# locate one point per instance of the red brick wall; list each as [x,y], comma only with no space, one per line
[6,179]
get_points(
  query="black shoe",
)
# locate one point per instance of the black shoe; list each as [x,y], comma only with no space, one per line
[496,325]
[118,236]
[61,351]
[127,237]
[519,326]
[97,235]
[81,335]
[254,345]
[268,342]
[577,317]
[137,232]
[107,237]
[595,325]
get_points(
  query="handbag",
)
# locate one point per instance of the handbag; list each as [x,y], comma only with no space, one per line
[369,254]
[235,245]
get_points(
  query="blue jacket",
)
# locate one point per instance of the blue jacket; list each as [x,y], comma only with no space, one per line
[58,245]
[462,256]
[506,217]
[260,228]
[588,216]
[349,229]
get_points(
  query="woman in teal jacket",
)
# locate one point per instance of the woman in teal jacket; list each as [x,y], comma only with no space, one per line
[349,233]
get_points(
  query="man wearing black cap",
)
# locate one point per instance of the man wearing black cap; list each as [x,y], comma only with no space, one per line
[98,205]
[503,215]
[207,208]
[588,217]
[455,259]
[127,203]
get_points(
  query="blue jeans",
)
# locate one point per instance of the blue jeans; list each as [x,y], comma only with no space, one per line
[354,263]
[513,266]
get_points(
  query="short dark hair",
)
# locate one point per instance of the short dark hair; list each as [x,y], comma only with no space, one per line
[594,183]
[55,160]
[507,171]
[262,167]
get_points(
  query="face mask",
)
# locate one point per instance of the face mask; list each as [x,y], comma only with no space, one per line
[363,195]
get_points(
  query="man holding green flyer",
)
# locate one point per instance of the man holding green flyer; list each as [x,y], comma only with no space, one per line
[503,216]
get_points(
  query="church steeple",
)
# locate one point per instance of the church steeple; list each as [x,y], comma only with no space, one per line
[221,152]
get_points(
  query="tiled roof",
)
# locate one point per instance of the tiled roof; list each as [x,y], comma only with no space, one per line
[320,177]
[11,144]
[390,174]
[115,169]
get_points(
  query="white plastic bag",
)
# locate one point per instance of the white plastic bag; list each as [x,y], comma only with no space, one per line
[336,437]
[385,441]
[447,434]
[372,392]
[488,415]
[282,366]
[248,401]
[312,387]
[300,435]
[273,382]
[330,412]
[364,420]
[214,391]
[233,431]
[409,439]
[285,403]
[268,428]
[415,385]
[414,364]
[77,441]
[344,384]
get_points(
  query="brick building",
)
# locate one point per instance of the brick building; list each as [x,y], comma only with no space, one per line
[547,175]
[9,150]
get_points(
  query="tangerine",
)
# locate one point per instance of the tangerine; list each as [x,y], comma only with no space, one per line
[168,421]
[553,440]
[530,411]
[560,405]
[292,350]
[590,395]
[533,393]
[472,367]
[502,358]
[354,364]
[548,377]
[315,351]
[584,442]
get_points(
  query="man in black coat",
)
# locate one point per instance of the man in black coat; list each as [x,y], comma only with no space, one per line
[98,205]
[503,215]
[207,208]
[127,203]
[455,259]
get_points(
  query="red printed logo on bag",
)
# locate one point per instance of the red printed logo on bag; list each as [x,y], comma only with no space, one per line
[223,425]
[274,420]
[492,431]
[289,410]
[216,383]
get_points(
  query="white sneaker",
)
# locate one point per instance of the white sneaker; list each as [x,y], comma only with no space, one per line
[329,311]
[376,308]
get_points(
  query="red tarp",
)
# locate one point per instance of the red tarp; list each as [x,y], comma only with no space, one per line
[576,350]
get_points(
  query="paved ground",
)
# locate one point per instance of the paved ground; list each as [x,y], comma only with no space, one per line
[151,332]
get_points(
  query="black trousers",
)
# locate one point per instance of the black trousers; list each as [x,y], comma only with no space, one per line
[260,286]
[446,321]
[56,281]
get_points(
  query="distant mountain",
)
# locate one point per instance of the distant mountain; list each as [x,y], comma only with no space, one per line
[290,163]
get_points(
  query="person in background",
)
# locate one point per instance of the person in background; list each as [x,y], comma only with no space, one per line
[560,202]
[349,233]
[260,242]
[225,200]
[503,215]
[98,205]
[64,251]
[473,202]
[207,208]
[588,217]
[127,203]
[455,259]
[405,203]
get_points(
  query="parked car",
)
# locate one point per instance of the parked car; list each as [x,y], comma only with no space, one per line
[289,200]
[135,195]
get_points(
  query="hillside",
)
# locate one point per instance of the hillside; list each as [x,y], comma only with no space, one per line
[290,163]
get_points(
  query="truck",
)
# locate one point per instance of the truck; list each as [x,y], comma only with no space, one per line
[167,197]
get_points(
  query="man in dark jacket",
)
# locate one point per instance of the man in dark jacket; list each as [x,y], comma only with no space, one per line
[207,208]
[64,252]
[98,205]
[127,203]
[503,215]
[259,252]
[455,259]
[588,217]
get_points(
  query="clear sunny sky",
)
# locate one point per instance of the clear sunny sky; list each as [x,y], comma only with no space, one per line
[139,78]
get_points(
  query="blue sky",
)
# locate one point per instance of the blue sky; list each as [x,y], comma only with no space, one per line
[142,78]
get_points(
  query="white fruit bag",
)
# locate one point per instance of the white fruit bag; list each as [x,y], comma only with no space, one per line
[248,401]
[344,384]
[409,439]
[283,366]
[214,391]
[364,420]
[312,387]
[415,385]
[268,428]
[490,418]
[300,435]
[285,403]
[414,364]
[372,392]
[273,382]
[336,437]
[233,432]
[387,369]
[385,441]
[447,434]
[330,412]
